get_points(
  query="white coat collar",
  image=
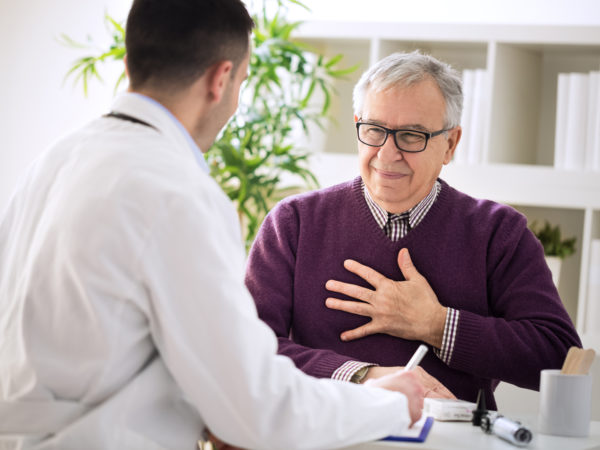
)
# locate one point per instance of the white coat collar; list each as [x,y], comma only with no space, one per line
[150,111]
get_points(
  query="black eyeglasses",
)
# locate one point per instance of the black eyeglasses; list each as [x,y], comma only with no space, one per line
[411,141]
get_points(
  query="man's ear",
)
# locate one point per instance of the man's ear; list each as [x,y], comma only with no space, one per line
[355,118]
[219,75]
[125,63]
[453,140]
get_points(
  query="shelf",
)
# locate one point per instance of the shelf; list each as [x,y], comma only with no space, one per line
[506,183]
[529,34]
[460,55]
[524,90]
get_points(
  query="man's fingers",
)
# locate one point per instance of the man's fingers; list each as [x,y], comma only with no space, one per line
[360,308]
[360,332]
[406,265]
[434,388]
[366,273]
[432,394]
[351,290]
[444,392]
[440,393]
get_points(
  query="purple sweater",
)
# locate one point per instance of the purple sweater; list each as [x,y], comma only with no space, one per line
[478,256]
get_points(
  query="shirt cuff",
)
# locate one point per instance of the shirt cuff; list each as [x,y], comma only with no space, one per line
[349,368]
[445,352]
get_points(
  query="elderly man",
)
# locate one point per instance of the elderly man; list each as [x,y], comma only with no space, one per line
[352,278]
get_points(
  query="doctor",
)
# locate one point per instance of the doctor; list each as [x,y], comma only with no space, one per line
[124,319]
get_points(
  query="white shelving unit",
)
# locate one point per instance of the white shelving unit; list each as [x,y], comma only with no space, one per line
[523,63]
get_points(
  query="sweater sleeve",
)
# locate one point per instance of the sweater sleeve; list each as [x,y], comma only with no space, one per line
[527,328]
[270,280]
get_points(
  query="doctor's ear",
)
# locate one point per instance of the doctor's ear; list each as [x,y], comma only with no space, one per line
[218,77]
[126,68]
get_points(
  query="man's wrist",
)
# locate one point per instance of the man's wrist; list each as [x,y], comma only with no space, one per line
[438,325]
[347,370]
[450,328]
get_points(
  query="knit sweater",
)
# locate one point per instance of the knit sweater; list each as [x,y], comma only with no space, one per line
[478,256]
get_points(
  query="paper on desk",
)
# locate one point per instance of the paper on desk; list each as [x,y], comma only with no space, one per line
[417,433]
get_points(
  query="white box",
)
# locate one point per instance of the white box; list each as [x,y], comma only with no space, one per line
[448,409]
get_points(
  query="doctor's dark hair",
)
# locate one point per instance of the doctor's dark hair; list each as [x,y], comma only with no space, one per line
[171,43]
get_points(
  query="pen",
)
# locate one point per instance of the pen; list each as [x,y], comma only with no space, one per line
[416,358]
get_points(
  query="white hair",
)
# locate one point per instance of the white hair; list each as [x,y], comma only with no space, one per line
[405,69]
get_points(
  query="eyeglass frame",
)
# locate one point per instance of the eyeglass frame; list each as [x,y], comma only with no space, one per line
[428,135]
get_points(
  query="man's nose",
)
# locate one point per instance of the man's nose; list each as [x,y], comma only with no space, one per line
[388,152]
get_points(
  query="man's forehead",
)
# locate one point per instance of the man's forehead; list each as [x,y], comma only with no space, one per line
[382,105]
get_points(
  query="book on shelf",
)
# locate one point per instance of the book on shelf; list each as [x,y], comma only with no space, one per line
[461,155]
[592,155]
[560,130]
[577,137]
[477,121]
[470,148]
[576,132]
[592,316]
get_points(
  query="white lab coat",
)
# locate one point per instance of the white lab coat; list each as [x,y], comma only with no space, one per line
[121,291]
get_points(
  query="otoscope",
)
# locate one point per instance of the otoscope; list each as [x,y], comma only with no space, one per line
[494,423]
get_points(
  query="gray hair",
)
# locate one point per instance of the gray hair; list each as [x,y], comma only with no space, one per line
[406,69]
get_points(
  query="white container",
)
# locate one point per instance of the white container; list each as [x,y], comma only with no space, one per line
[554,264]
[565,404]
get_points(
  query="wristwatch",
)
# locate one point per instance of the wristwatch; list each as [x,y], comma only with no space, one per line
[360,374]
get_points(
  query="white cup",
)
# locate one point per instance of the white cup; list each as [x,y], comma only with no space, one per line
[565,404]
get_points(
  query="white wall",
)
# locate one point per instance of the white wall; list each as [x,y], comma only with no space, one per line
[36,108]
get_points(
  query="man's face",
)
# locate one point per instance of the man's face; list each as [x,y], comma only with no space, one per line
[233,96]
[397,180]
[227,106]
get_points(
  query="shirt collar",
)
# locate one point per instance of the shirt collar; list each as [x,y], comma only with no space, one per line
[415,214]
[198,155]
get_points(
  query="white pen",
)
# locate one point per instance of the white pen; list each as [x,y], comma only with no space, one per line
[416,358]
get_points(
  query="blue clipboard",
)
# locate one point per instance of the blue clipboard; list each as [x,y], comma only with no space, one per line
[420,438]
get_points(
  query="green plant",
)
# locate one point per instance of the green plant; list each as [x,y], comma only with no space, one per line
[85,68]
[552,241]
[288,88]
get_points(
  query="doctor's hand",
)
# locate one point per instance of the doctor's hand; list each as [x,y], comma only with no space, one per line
[405,309]
[406,383]
[433,387]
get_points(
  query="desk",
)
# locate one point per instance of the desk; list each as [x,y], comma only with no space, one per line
[463,435]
